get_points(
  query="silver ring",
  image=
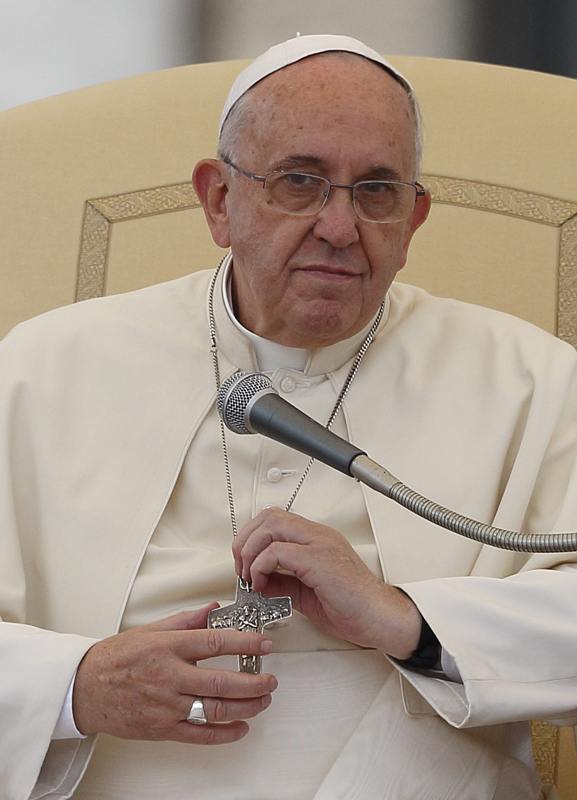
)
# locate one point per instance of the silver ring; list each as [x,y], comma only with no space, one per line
[197,714]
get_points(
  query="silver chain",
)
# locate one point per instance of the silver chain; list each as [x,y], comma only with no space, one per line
[337,407]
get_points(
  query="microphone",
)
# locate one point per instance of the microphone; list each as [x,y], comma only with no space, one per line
[248,403]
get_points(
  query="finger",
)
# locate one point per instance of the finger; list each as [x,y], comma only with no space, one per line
[210,642]
[183,620]
[267,535]
[274,525]
[294,558]
[218,710]
[261,538]
[219,683]
[210,734]
[248,529]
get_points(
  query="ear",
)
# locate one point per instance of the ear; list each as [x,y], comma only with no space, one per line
[210,181]
[417,218]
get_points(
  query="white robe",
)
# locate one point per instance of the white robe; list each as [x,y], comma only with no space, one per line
[470,407]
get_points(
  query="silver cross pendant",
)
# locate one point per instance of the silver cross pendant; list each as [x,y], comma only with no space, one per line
[250,612]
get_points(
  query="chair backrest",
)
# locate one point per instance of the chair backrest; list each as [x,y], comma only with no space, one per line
[96,195]
[96,199]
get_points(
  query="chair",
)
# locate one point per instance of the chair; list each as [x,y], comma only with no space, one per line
[97,200]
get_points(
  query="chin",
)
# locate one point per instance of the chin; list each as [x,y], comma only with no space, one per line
[323,324]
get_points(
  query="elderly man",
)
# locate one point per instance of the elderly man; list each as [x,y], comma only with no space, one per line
[414,658]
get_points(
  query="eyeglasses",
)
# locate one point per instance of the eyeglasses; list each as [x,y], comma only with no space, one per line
[304,195]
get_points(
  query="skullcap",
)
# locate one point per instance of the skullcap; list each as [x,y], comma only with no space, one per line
[285,53]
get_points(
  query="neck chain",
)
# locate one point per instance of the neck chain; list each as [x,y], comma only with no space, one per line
[342,394]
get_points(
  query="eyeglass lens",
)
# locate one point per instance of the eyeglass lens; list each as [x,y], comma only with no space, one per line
[375,201]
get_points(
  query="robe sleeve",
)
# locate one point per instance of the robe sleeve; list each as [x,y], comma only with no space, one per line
[514,641]
[36,665]
[513,638]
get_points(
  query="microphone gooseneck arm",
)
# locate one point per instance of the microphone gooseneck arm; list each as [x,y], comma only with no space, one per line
[247,403]
[372,474]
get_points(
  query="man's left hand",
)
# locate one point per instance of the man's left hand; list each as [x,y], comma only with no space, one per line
[326,580]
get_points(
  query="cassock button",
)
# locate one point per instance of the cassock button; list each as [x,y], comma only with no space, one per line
[274,475]
[288,384]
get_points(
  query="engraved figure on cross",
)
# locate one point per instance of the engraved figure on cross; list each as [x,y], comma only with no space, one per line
[250,612]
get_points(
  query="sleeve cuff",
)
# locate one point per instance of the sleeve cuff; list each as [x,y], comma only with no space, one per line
[65,727]
[449,667]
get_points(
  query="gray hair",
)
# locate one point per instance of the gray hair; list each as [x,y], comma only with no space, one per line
[242,115]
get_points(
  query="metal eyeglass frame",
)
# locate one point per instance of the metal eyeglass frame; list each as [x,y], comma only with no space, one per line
[420,190]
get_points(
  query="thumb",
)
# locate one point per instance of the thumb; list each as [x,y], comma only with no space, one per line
[183,620]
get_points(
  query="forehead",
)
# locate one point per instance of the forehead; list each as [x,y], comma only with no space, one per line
[331,103]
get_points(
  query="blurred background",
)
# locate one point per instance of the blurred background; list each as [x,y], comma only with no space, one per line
[53,46]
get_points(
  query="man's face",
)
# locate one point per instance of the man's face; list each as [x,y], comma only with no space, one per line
[312,281]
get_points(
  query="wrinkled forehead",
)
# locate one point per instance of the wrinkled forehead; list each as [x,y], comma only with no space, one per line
[292,51]
[335,86]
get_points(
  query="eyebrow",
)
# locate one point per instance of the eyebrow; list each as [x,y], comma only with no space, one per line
[304,161]
[299,161]
[382,173]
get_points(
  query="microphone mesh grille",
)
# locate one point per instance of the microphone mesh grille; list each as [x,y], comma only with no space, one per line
[234,396]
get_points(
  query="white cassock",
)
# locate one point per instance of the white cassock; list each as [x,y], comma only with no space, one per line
[114,507]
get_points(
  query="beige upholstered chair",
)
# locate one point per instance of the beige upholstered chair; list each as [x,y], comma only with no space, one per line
[96,199]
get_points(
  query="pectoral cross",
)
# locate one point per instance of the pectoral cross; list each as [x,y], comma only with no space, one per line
[250,612]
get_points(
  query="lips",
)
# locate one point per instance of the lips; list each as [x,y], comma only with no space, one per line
[329,271]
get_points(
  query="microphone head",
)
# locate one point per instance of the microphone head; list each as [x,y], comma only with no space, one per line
[235,396]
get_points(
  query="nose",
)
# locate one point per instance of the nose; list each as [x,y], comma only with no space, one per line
[337,222]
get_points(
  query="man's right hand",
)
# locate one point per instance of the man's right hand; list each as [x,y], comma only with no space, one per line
[140,684]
